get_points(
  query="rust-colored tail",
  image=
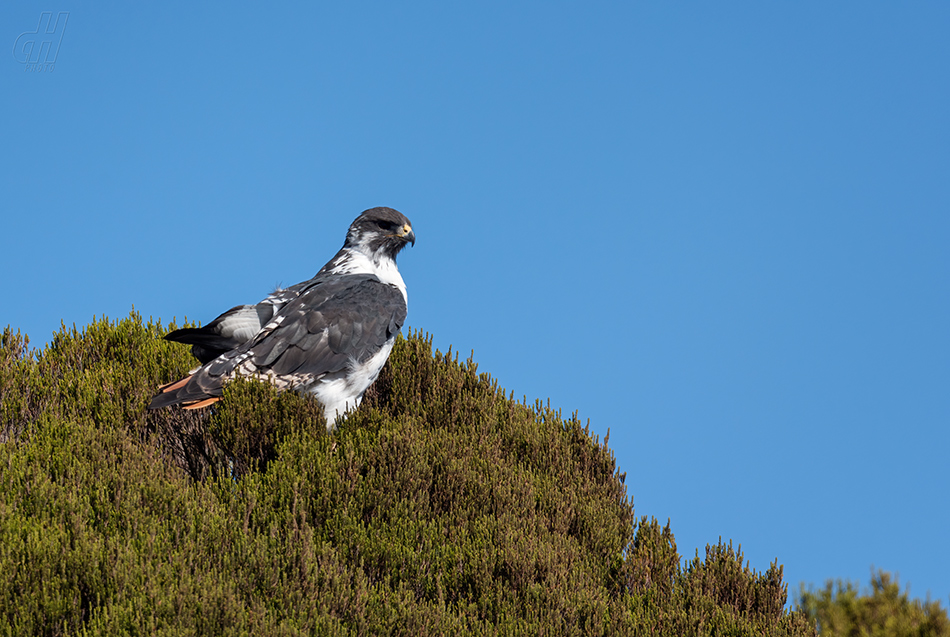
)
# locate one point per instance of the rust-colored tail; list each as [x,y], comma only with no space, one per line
[184,392]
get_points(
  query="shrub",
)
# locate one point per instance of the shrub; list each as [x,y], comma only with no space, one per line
[441,506]
[883,611]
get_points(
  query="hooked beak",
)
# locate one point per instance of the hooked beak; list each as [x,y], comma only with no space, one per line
[406,234]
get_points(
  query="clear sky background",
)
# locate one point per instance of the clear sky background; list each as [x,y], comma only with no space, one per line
[719,229]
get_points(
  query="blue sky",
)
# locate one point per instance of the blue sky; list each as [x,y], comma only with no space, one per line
[718,229]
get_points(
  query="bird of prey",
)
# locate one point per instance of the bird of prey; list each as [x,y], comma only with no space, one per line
[329,336]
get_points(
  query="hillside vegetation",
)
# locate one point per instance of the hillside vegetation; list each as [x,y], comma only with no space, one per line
[841,610]
[442,506]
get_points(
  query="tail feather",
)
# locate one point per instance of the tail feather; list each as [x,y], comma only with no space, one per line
[201,403]
[187,393]
[175,385]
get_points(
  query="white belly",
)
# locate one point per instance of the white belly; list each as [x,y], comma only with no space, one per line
[340,395]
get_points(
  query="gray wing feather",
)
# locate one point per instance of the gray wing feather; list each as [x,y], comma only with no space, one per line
[240,324]
[354,318]
[336,320]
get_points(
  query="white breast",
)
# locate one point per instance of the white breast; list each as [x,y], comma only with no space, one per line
[355,262]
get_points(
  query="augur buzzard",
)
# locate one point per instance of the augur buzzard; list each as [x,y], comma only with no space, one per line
[329,336]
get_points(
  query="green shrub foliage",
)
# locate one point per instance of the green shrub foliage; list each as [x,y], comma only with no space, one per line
[442,506]
[840,609]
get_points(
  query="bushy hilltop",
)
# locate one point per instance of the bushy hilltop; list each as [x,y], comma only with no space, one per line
[441,507]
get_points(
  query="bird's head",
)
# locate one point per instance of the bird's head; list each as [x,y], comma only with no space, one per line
[380,232]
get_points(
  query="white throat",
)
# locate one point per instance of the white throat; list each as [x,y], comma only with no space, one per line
[355,261]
